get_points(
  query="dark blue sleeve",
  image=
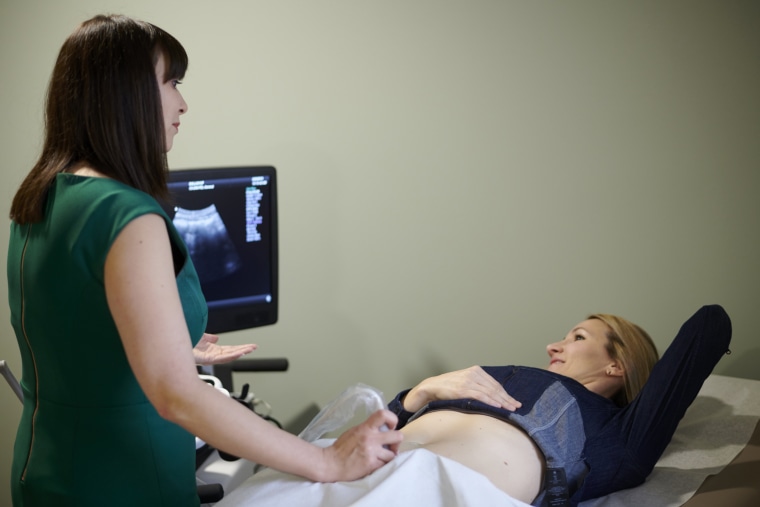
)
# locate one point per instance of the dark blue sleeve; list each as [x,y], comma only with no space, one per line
[397,407]
[650,420]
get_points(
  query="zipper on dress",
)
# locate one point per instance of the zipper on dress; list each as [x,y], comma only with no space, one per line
[31,353]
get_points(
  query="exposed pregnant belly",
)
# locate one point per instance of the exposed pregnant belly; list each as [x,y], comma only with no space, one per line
[497,449]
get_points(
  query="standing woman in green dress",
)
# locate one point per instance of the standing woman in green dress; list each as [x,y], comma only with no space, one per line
[107,307]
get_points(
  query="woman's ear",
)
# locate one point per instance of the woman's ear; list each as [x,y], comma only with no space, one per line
[615,370]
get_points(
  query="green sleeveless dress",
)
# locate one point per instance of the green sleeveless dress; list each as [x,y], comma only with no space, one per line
[88,435]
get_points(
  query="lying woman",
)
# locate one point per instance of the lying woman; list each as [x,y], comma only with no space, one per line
[595,421]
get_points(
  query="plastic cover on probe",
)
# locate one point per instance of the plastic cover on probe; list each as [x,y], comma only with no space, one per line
[342,409]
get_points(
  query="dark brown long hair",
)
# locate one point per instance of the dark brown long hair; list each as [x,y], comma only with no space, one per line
[104,108]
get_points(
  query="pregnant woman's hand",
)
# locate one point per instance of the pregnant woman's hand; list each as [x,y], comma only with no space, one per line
[471,382]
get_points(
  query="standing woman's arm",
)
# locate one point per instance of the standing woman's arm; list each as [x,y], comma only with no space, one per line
[144,301]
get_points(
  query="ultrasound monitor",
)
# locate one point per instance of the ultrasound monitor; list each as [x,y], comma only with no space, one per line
[228,219]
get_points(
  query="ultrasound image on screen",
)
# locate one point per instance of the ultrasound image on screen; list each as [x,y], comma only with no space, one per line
[222,221]
[208,242]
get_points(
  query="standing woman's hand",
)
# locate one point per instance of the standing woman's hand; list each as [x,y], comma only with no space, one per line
[208,351]
[363,449]
[473,383]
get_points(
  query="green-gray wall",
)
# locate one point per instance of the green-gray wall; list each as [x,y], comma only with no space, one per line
[460,182]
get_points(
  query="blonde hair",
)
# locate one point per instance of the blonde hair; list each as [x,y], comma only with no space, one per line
[630,345]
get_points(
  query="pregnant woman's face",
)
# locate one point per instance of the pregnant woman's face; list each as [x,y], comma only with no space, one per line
[583,356]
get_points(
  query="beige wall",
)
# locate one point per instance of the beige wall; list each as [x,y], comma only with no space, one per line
[460,182]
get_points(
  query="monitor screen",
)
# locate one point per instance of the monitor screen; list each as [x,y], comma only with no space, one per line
[228,218]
